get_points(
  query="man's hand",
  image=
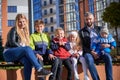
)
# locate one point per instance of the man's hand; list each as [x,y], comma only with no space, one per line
[51,56]
[39,57]
[94,54]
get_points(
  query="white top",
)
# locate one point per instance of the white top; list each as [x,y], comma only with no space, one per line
[72,51]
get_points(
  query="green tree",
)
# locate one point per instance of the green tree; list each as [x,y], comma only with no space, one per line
[111,15]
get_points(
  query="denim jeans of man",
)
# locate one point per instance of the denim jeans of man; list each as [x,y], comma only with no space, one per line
[56,69]
[26,56]
[91,66]
[108,65]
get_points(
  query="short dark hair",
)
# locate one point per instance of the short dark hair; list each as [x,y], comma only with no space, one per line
[88,14]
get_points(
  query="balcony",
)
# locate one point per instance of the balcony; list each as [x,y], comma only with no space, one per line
[48,5]
[50,23]
[49,14]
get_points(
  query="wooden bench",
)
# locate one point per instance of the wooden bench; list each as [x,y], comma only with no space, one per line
[17,70]
[113,61]
[12,66]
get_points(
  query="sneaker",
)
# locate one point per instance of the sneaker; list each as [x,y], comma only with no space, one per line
[44,72]
[51,77]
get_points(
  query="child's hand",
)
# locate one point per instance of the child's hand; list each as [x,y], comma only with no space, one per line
[74,47]
[61,43]
[105,45]
[112,47]
[39,57]
[76,55]
[51,56]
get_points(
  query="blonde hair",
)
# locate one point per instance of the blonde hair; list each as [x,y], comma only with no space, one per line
[24,37]
[75,33]
[58,29]
[37,22]
[78,40]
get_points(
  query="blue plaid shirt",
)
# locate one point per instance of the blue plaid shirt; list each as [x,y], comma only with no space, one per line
[93,34]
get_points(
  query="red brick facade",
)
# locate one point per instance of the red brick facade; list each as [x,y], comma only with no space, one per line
[5,28]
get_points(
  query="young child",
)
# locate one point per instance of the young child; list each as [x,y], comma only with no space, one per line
[60,46]
[101,49]
[40,42]
[103,43]
[76,54]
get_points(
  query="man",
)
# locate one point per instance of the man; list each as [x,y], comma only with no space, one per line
[87,35]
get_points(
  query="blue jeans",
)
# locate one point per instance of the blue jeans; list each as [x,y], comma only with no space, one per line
[68,65]
[56,69]
[91,66]
[26,56]
[108,65]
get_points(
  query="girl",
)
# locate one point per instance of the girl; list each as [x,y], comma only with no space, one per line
[16,48]
[76,55]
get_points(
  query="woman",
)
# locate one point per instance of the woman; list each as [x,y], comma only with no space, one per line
[17,49]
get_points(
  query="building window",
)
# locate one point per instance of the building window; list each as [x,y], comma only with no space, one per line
[61,18]
[61,1]
[45,3]
[61,9]
[45,20]
[62,26]
[52,29]
[11,22]
[51,10]
[12,8]
[52,36]
[51,1]
[45,12]
[51,19]
[46,29]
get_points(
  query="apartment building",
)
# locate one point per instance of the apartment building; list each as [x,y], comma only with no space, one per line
[46,11]
[57,13]
[9,10]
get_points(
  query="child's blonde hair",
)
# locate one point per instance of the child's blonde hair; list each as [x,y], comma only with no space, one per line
[58,29]
[78,40]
